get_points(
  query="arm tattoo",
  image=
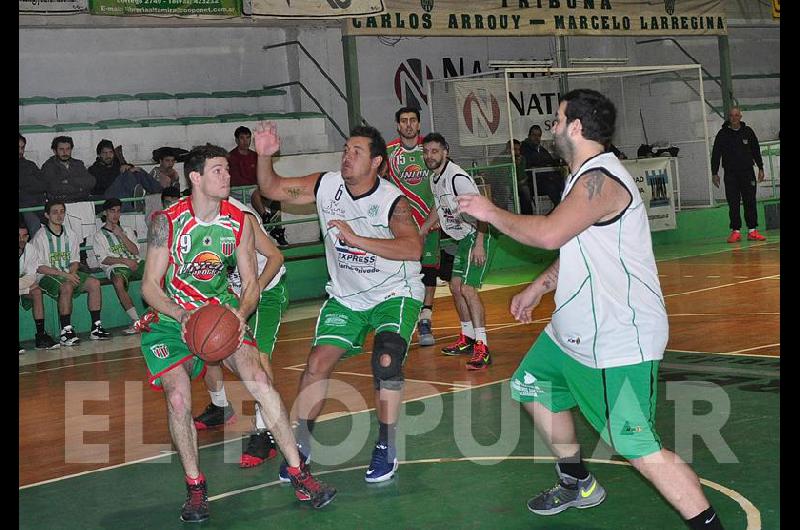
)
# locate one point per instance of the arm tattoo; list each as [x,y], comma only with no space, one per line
[159,231]
[402,213]
[295,192]
[594,183]
[551,276]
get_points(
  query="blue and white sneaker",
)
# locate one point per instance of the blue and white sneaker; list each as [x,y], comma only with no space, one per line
[380,468]
[283,473]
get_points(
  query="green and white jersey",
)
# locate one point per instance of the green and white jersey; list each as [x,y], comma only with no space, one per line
[233,277]
[407,171]
[359,279]
[56,250]
[609,308]
[452,182]
[107,245]
[200,254]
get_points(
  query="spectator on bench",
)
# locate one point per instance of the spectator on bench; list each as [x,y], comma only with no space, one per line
[31,189]
[165,172]
[66,178]
[118,254]
[116,178]
[170,196]
[30,294]
[58,276]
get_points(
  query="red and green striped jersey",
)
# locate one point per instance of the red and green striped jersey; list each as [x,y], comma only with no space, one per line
[408,172]
[200,254]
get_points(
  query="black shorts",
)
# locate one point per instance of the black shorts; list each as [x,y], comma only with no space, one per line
[446,266]
[429,275]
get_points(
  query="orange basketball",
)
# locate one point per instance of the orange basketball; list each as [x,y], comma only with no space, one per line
[212,332]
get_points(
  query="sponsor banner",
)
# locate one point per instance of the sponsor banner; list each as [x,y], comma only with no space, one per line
[44,7]
[543,17]
[167,8]
[654,177]
[316,8]
[481,110]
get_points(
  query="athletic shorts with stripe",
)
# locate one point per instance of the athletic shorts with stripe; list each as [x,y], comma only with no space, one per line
[50,284]
[127,274]
[266,319]
[345,328]
[620,403]
[464,268]
[163,349]
[430,250]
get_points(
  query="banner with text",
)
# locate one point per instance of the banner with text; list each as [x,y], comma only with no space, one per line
[55,7]
[167,8]
[316,8]
[543,17]
[654,177]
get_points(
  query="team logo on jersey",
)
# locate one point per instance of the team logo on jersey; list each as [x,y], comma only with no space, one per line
[333,209]
[204,267]
[373,210]
[354,259]
[228,245]
[160,350]
[207,241]
[413,174]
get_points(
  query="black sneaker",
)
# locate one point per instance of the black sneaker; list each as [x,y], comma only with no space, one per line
[279,234]
[568,492]
[307,488]
[45,342]
[215,416]
[260,448]
[68,336]
[98,332]
[195,509]
[463,346]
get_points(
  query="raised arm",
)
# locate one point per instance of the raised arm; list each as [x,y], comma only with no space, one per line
[293,190]
[595,197]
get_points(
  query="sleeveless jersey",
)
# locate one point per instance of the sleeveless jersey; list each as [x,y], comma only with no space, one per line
[407,171]
[106,244]
[233,277]
[445,190]
[359,279]
[200,254]
[609,307]
[56,251]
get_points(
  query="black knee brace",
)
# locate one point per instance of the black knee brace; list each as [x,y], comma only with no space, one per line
[393,345]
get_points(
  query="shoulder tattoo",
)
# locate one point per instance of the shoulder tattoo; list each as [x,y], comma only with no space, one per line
[402,213]
[593,181]
[158,231]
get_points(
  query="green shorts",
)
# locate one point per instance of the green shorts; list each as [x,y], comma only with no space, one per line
[342,327]
[463,267]
[620,403]
[430,249]
[127,274]
[26,301]
[51,284]
[266,319]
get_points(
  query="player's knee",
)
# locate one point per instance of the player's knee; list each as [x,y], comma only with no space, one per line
[387,360]
[118,282]
[179,404]
[318,365]
[92,284]
[66,288]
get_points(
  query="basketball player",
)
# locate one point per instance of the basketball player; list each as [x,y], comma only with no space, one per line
[602,348]
[372,248]
[264,323]
[191,244]
[407,171]
[475,249]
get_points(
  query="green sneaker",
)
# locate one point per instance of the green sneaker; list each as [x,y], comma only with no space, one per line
[567,493]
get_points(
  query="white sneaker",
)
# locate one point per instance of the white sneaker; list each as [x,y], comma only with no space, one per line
[131,330]
[98,333]
[68,336]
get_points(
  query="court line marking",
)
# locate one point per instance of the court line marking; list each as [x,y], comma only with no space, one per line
[727,353]
[753,348]
[772,277]
[458,385]
[752,513]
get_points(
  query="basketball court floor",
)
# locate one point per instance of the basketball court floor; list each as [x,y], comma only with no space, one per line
[95,450]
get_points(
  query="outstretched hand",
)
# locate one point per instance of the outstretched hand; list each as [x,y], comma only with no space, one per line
[266,139]
[476,205]
[524,302]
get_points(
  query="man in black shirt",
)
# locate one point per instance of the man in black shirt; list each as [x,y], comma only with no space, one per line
[736,144]
[550,183]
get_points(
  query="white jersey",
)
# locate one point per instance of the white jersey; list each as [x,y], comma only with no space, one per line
[359,279]
[446,187]
[609,307]
[56,251]
[28,263]
[107,245]
[233,278]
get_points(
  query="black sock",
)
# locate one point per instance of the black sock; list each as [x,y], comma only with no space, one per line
[304,430]
[428,307]
[573,466]
[39,325]
[95,316]
[705,520]
[386,436]
[65,320]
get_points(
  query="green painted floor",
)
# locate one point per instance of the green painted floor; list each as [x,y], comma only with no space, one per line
[449,493]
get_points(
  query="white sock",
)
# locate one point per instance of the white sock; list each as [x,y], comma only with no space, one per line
[219,398]
[480,334]
[132,313]
[467,330]
[426,314]
[750,230]
[736,231]
[260,424]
